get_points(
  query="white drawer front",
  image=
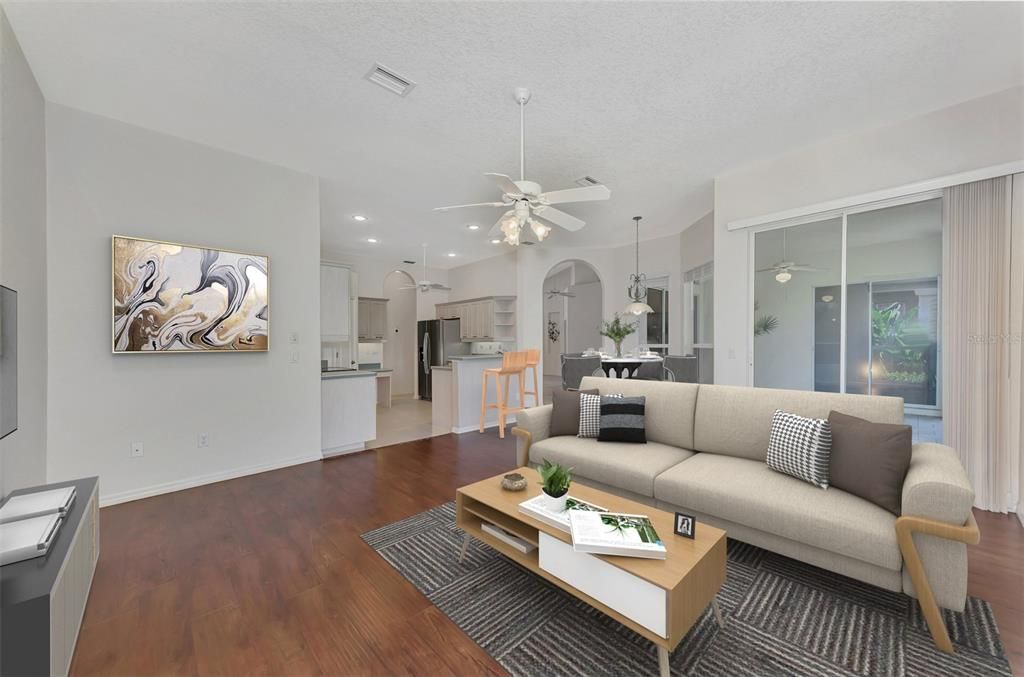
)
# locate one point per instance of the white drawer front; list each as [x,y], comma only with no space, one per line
[634,598]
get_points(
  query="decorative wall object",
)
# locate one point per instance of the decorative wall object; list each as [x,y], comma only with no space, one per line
[171,297]
[553,332]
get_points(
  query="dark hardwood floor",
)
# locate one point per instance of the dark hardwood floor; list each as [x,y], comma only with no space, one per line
[267,574]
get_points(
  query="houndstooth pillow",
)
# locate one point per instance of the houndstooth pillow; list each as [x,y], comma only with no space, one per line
[590,414]
[800,446]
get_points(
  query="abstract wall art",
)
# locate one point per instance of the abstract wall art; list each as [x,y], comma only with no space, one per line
[170,298]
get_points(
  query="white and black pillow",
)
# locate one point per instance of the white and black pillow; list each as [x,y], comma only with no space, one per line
[800,446]
[622,420]
[590,415]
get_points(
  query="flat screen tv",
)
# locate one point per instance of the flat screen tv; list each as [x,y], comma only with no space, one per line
[8,361]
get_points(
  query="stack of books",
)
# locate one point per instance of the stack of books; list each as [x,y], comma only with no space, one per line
[597,531]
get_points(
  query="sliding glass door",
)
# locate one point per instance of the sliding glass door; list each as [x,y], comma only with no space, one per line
[851,303]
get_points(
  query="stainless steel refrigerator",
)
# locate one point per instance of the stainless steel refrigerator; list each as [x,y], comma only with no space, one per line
[436,341]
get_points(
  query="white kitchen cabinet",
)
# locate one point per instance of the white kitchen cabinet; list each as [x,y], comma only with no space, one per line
[373,318]
[335,303]
[486,319]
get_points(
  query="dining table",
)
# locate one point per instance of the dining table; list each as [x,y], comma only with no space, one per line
[629,365]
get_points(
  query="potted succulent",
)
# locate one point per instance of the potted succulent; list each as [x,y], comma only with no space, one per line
[555,480]
[617,330]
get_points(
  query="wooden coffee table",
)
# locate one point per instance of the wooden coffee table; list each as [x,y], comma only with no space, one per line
[658,599]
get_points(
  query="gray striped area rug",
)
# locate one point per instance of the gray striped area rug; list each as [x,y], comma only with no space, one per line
[782,617]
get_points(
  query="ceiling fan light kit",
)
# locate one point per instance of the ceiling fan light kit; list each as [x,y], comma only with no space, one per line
[526,201]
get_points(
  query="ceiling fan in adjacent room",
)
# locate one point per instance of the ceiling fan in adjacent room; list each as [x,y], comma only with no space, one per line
[552,293]
[784,269]
[530,207]
[425,285]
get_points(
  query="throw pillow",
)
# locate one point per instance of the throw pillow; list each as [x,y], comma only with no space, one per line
[800,446]
[565,411]
[622,420]
[870,460]
[590,415]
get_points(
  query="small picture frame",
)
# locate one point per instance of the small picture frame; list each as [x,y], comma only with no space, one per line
[685,525]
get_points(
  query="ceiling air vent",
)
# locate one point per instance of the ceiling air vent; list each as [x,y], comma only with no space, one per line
[390,80]
[585,181]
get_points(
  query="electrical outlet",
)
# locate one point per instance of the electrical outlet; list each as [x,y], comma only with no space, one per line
[293,337]
[203,440]
[137,450]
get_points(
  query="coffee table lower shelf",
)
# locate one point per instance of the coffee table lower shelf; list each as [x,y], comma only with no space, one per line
[671,610]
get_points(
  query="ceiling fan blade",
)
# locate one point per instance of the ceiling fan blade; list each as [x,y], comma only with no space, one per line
[560,218]
[476,204]
[584,194]
[507,186]
[766,270]
[495,230]
[439,287]
[806,269]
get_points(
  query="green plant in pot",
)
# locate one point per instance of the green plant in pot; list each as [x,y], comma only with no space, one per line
[617,330]
[555,480]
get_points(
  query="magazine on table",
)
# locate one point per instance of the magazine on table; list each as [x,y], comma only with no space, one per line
[537,508]
[612,533]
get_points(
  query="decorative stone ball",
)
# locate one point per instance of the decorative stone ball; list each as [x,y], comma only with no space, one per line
[513,482]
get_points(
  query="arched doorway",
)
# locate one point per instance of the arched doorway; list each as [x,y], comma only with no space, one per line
[400,345]
[572,302]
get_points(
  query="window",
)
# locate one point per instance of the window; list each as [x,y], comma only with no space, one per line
[851,303]
[654,326]
[698,308]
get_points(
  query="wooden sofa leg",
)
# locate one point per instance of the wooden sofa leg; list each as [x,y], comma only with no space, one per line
[906,527]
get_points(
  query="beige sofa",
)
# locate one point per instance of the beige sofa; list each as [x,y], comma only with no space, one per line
[705,456]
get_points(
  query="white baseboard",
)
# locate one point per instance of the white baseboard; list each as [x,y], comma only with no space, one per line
[190,482]
[344,449]
[471,428]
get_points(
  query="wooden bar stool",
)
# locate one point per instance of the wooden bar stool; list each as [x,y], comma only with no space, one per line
[532,360]
[512,364]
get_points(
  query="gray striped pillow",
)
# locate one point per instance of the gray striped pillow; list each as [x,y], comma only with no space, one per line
[622,420]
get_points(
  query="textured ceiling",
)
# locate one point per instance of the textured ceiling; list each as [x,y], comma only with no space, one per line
[653,99]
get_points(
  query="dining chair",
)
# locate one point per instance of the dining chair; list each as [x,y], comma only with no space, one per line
[532,360]
[681,368]
[653,370]
[512,364]
[575,368]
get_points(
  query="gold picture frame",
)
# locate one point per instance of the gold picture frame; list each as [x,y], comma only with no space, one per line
[174,298]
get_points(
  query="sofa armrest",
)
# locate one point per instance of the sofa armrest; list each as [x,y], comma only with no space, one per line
[537,422]
[936,485]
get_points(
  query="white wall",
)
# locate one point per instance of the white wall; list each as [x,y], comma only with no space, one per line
[495,276]
[400,346]
[23,256]
[697,243]
[980,133]
[259,410]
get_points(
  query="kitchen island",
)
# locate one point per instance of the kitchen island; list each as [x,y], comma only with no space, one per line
[348,410]
[456,389]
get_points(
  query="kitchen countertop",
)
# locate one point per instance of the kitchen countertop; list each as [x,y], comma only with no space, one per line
[354,373]
[475,357]
[446,367]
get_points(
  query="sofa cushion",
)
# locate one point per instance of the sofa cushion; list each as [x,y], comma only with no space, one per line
[622,420]
[737,420]
[748,492]
[565,411]
[870,460]
[668,410]
[632,467]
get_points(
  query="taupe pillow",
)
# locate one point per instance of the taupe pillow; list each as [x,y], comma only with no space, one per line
[565,412]
[870,460]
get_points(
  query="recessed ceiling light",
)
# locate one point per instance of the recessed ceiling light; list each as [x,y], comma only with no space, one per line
[359,217]
[473,226]
[371,240]
[495,241]
[451,254]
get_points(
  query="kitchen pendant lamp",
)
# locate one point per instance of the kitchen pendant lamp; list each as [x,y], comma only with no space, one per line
[637,290]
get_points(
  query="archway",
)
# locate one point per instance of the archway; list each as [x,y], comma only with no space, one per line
[572,302]
[400,346]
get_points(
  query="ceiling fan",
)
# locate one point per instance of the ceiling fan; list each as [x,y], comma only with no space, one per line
[554,292]
[425,285]
[784,269]
[528,204]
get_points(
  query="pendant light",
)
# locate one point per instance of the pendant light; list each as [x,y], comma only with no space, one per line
[638,282]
